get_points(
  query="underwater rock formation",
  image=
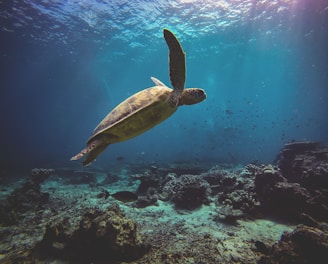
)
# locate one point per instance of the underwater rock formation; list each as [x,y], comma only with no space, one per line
[305,163]
[101,236]
[299,184]
[186,191]
[39,175]
[26,198]
[304,245]
[277,196]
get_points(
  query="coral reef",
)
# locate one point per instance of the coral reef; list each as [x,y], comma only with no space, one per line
[235,192]
[101,236]
[233,189]
[186,191]
[82,223]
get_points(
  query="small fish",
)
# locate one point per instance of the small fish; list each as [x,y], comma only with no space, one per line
[125,196]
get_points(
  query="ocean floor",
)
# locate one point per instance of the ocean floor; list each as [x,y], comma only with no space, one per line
[177,214]
[175,235]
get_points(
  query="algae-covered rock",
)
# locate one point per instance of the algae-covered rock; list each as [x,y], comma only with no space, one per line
[304,245]
[101,236]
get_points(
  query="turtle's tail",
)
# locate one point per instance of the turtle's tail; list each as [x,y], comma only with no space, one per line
[92,151]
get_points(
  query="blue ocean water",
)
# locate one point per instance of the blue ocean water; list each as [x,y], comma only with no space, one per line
[65,64]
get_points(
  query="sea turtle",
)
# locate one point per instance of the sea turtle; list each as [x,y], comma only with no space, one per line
[146,108]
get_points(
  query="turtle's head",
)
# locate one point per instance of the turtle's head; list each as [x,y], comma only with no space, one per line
[192,96]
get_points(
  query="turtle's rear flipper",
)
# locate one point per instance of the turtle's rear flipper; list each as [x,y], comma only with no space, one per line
[92,151]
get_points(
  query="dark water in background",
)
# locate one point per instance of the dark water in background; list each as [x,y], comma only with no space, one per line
[65,64]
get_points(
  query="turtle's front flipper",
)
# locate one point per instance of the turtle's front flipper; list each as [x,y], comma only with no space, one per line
[177,61]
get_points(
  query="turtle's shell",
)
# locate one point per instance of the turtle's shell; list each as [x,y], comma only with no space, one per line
[143,110]
[135,115]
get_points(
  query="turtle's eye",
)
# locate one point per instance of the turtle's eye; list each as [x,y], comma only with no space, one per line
[198,94]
